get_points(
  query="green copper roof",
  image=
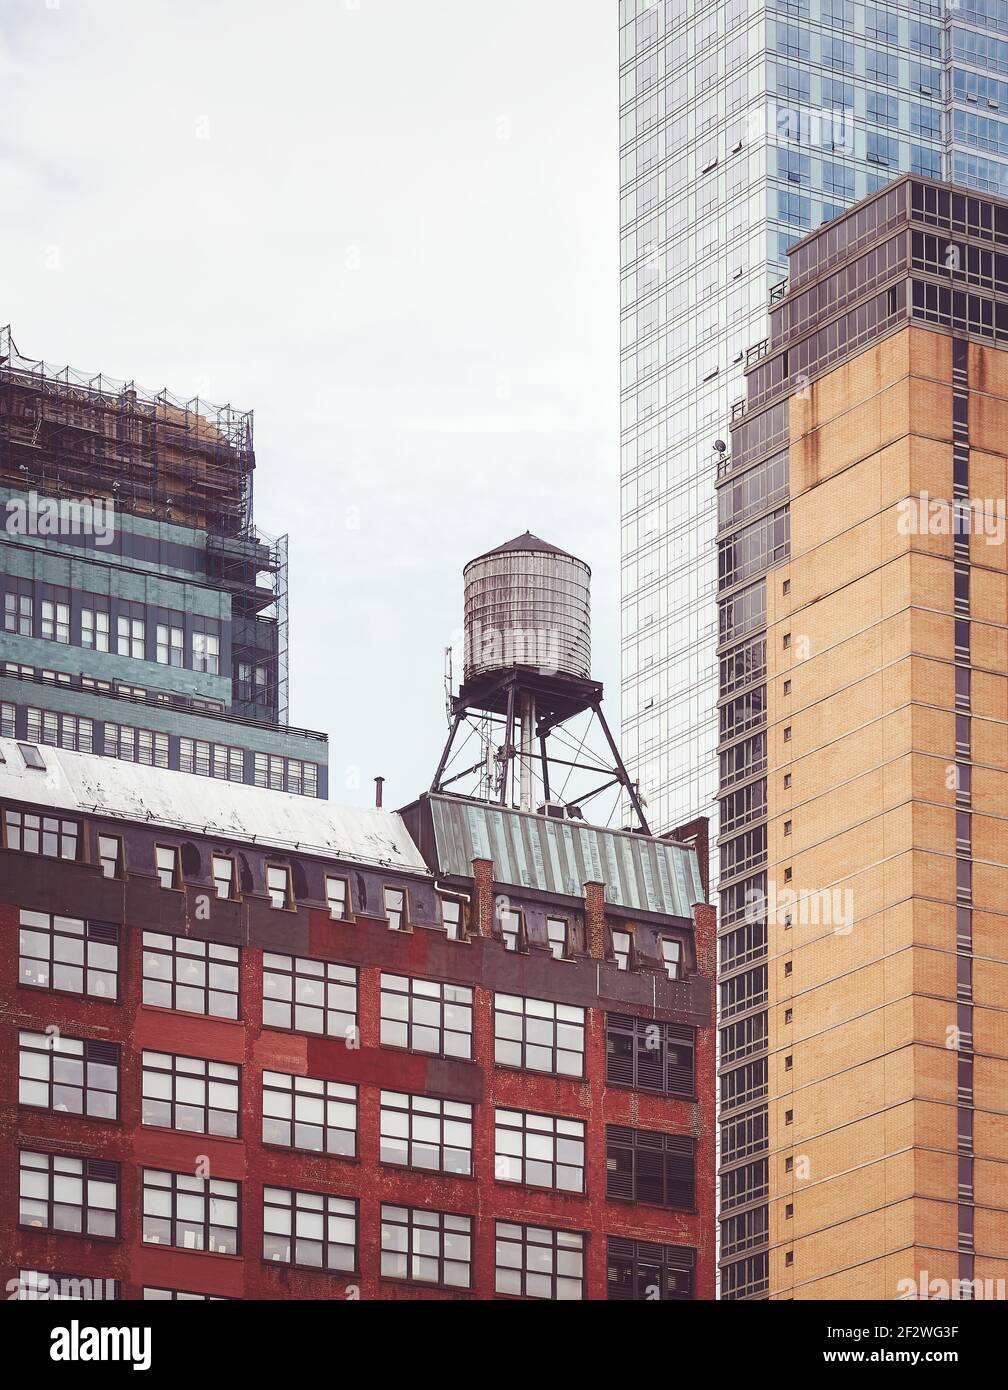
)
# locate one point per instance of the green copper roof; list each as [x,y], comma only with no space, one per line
[561,856]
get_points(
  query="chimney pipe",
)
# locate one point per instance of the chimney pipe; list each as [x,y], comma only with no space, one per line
[378,784]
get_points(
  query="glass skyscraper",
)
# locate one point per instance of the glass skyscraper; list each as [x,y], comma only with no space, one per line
[744,125]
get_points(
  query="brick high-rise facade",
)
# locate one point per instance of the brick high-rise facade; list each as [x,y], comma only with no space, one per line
[864,766]
[257,1047]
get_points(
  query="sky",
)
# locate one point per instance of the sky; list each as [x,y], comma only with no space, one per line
[390,228]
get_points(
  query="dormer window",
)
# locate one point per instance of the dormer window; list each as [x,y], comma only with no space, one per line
[556,935]
[224,876]
[671,953]
[621,949]
[110,856]
[510,924]
[336,897]
[169,866]
[395,908]
[278,886]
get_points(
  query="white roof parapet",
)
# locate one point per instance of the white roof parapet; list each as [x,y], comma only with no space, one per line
[183,802]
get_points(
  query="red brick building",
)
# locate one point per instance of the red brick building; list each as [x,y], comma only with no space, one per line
[259,1049]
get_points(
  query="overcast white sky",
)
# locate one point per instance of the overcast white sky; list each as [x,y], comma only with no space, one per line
[390,228]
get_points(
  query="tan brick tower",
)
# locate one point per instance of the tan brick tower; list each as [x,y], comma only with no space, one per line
[864,766]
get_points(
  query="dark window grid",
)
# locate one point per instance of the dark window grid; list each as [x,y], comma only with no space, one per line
[68,1075]
[539,1150]
[538,1035]
[196,977]
[309,996]
[49,836]
[647,1056]
[308,1113]
[652,1168]
[68,955]
[192,1094]
[422,1132]
[428,1247]
[74,1195]
[539,1262]
[426,1016]
[191,1213]
[643,1271]
[310,1230]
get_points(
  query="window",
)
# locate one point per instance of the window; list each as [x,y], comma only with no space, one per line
[19,613]
[194,977]
[650,1056]
[68,954]
[190,1094]
[224,876]
[510,923]
[206,652]
[556,935]
[285,774]
[170,645]
[882,149]
[304,1112]
[110,856]
[883,108]
[837,55]
[641,1271]
[538,1262]
[426,1016]
[538,1035]
[423,1132]
[429,1247]
[395,907]
[309,996]
[190,1213]
[336,897]
[311,1230]
[540,1150]
[881,66]
[45,835]
[8,718]
[453,917]
[131,638]
[95,629]
[220,760]
[278,886]
[69,1075]
[645,1166]
[671,954]
[55,621]
[621,949]
[69,1194]
[58,730]
[168,861]
[132,745]
[31,757]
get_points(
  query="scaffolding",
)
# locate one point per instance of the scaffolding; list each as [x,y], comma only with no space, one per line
[66,434]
